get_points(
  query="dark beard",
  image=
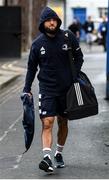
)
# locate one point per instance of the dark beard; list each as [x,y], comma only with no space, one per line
[47,30]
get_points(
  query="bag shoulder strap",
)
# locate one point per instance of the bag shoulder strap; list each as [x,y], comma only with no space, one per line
[70,54]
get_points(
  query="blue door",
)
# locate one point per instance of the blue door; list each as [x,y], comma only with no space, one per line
[80,14]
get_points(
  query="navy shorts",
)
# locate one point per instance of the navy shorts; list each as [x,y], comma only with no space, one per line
[52,105]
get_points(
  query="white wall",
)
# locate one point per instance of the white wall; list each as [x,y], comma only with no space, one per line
[91,6]
[1,2]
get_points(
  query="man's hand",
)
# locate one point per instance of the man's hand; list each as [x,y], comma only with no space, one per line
[29,94]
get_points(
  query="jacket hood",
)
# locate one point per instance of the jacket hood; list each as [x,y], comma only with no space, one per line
[48,13]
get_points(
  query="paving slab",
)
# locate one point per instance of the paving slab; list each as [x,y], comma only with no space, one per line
[6,77]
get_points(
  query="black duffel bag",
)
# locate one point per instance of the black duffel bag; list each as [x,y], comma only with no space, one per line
[81,99]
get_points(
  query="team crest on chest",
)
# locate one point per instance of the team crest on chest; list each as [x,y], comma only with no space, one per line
[65,47]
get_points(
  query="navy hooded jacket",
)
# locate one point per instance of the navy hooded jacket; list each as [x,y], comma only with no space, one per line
[51,56]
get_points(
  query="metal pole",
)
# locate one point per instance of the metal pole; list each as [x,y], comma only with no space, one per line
[107,65]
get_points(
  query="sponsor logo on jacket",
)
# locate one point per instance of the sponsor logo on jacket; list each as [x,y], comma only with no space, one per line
[65,47]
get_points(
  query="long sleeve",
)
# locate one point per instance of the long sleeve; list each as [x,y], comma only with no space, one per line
[77,53]
[31,69]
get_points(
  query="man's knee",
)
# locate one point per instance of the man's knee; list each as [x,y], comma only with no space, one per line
[62,121]
[47,122]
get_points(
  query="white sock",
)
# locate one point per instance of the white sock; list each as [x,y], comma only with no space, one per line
[59,149]
[47,152]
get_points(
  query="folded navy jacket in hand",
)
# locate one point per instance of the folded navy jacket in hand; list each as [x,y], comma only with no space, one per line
[28,119]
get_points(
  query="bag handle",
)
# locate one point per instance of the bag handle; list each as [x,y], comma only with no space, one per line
[70,54]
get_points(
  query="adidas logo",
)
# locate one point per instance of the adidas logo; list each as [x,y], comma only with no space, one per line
[42,50]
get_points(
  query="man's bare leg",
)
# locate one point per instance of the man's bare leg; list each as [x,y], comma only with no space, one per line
[47,126]
[62,130]
[61,139]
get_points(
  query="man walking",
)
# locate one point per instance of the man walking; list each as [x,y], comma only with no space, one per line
[102,31]
[49,52]
[75,27]
[89,28]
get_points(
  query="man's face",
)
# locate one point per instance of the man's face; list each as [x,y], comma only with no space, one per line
[51,26]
